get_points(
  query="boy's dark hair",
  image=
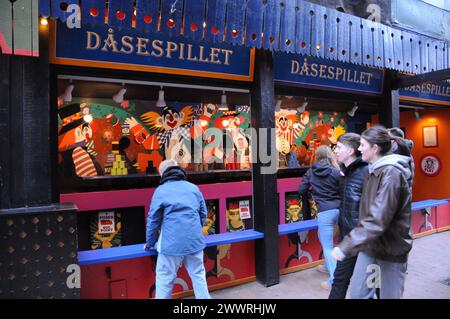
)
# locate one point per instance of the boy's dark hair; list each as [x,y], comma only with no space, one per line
[395,131]
[378,135]
[352,140]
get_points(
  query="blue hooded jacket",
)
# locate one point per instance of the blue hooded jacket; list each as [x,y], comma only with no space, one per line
[179,210]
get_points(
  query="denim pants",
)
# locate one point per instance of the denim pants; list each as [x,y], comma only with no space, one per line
[371,273]
[327,220]
[167,269]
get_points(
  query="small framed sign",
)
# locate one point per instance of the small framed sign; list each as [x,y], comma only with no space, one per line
[430,136]
[430,165]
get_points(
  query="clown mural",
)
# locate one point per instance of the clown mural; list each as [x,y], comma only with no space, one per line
[101,137]
[299,135]
[77,156]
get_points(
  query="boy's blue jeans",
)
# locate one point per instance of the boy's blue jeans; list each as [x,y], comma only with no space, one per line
[327,220]
[167,269]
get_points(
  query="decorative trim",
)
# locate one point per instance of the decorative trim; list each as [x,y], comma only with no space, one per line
[425,233]
[223,285]
[286,271]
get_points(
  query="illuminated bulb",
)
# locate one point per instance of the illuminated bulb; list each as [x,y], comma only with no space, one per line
[88,118]
[44,21]
[204,123]
[225,123]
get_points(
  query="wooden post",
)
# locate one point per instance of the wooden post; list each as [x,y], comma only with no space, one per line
[265,204]
[38,237]
[390,108]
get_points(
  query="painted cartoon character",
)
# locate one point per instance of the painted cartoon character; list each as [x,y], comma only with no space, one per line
[298,239]
[209,227]
[240,153]
[75,142]
[234,221]
[286,129]
[294,211]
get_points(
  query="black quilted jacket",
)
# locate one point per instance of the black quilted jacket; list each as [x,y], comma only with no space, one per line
[351,190]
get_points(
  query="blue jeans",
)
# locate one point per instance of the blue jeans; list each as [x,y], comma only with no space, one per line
[327,220]
[167,269]
[371,273]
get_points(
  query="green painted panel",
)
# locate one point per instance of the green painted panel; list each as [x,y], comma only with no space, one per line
[6,27]
[22,13]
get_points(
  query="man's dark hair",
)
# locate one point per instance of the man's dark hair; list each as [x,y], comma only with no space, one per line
[395,131]
[352,140]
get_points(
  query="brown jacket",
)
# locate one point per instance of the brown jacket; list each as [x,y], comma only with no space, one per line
[384,228]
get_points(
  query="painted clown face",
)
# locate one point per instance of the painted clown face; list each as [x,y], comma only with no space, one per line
[284,123]
[235,218]
[294,210]
[83,133]
[171,119]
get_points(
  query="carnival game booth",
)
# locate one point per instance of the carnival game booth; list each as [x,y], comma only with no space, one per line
[318,100]
[120,109]
[185,100]
[425,112]
[135,82]
[115,127]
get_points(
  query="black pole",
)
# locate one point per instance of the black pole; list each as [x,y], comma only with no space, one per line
[390,108]
[38,236]
[265,204]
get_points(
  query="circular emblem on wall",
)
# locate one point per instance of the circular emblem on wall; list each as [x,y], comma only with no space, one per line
[430,165]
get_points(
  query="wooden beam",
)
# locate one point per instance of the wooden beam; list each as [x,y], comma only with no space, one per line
[390,109]
[407,80]
[265,205]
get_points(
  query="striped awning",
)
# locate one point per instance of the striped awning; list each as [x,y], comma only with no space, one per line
[295,26]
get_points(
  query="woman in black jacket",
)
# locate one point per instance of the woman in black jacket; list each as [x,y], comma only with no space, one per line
[322,180]
[355,171]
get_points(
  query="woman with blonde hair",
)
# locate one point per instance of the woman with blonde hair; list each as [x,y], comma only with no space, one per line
[322,181]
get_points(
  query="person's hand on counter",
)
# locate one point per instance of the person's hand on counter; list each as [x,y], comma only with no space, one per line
[148,248]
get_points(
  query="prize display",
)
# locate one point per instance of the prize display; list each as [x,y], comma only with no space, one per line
[239,216]
[106,230]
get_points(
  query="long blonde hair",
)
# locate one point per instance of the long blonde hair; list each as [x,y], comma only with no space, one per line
[324,154]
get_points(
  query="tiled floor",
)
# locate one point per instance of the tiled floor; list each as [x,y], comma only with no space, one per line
[429,266]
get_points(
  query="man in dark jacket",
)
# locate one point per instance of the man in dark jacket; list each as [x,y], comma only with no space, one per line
[383,238]
[355,171]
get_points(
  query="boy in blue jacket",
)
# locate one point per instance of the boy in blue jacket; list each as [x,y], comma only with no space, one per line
[179,210]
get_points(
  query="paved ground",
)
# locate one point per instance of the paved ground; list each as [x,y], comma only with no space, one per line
[429,265]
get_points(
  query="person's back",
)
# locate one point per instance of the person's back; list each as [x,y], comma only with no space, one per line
[181,230]
[179,210]
[322,180]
